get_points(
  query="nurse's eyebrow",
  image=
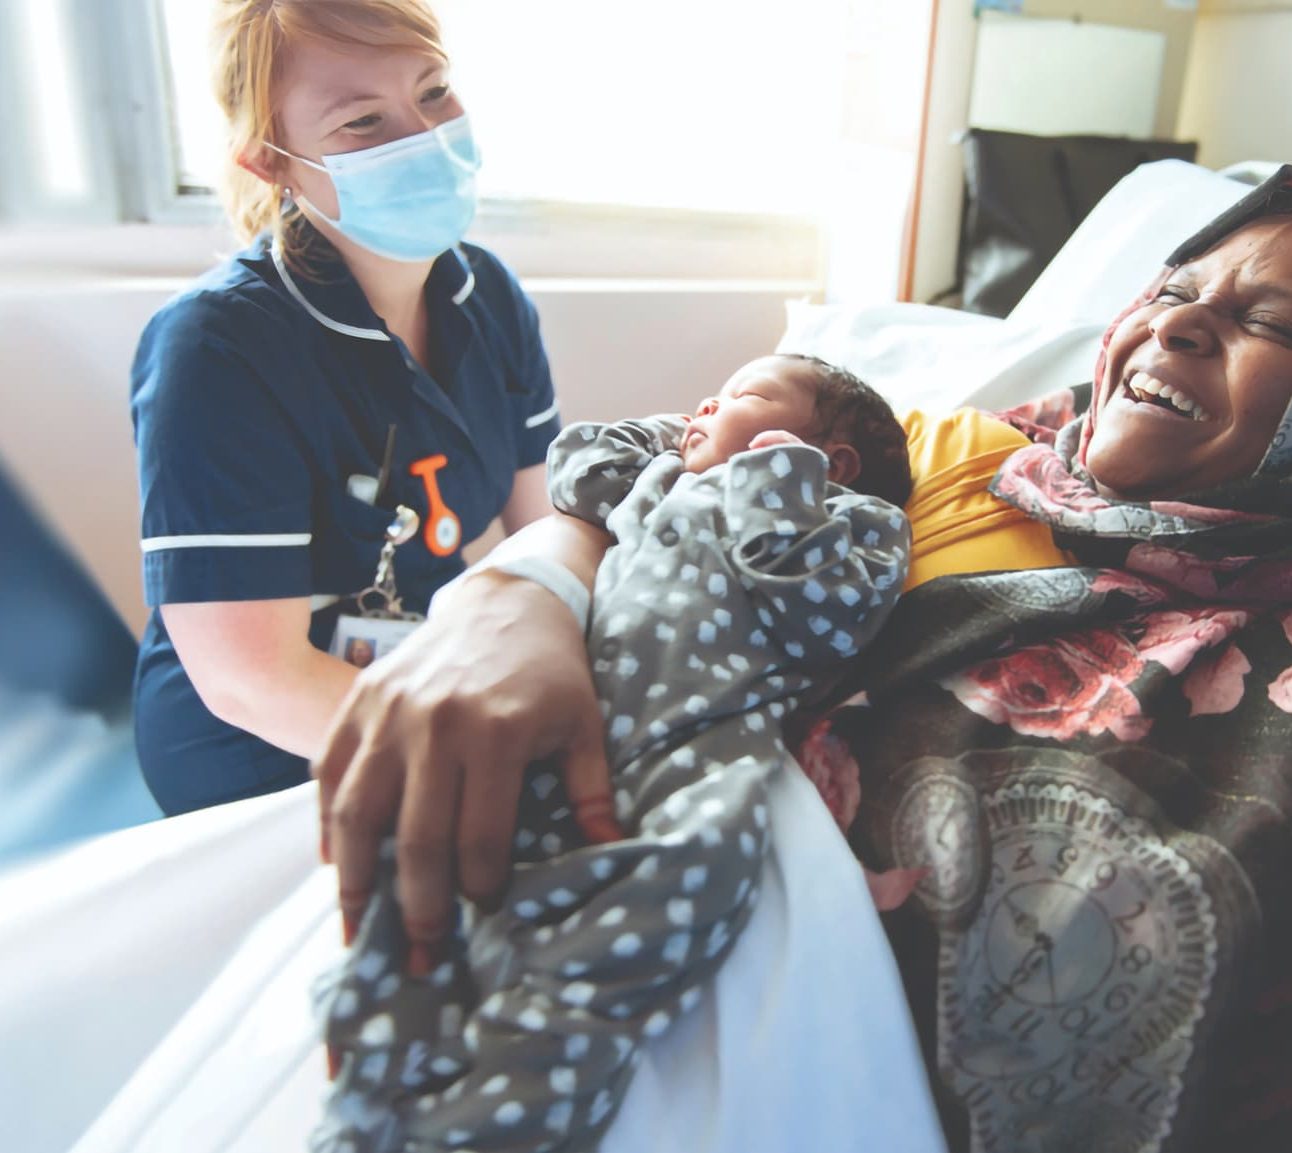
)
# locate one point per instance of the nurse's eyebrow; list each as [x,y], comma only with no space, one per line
[348,98]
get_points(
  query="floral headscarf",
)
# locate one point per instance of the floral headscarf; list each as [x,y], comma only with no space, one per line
[1272,198]
[1230,544]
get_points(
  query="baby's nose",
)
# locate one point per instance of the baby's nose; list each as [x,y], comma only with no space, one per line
[708,406]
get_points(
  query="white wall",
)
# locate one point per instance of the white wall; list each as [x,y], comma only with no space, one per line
[1235,103]
[66,342]
[1174,21]
[956,34]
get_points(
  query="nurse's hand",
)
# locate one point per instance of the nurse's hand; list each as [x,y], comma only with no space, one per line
[434,740]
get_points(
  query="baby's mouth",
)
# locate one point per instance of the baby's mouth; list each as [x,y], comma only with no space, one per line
[1145,389]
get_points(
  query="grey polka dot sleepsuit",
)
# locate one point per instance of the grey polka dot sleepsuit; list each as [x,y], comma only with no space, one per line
[729,596]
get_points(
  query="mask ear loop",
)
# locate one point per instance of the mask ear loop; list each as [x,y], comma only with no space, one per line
[293,156]
[288,192]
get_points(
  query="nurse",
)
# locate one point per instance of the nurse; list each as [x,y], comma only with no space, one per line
[356,358]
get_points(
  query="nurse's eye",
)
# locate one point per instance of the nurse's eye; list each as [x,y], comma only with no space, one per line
[436,94]
[363,123]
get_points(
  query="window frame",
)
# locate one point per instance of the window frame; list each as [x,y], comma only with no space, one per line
[119,48]
[140,109]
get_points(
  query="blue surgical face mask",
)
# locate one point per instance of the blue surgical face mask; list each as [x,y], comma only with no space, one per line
[410,199]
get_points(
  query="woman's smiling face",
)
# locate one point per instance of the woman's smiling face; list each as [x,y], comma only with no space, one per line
[1197,380]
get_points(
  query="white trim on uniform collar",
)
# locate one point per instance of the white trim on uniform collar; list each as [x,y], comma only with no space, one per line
[469,287]
[322,318]
[227,540]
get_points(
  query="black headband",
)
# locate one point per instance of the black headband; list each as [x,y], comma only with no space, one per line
[1272,198]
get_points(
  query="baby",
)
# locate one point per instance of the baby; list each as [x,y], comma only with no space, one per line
[759,545]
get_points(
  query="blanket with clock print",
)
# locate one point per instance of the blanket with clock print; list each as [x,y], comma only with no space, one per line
[1093,765]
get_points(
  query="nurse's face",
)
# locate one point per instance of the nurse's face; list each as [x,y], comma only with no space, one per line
[334,98]
[1197,380]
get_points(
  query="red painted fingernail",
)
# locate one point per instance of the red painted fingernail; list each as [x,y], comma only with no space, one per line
[353,903]
[602,830]
[425,947]
[419,959]
[349,925]
[333,1062]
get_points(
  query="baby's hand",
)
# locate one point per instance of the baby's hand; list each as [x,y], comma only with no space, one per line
[774,436]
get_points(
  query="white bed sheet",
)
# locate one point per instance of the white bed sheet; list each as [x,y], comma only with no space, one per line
[225,911]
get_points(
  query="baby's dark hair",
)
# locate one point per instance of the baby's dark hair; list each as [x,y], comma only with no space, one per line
[848,409]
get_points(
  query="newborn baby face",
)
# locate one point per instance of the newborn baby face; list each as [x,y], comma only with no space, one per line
[766,395]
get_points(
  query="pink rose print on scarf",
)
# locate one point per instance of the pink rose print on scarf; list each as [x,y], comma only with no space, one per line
[1281,690]
[1117,581]
[829,765]
[1041,419]
[1076,685]
[1229,578]
[1172,639]
[1215,683]
[1036,480]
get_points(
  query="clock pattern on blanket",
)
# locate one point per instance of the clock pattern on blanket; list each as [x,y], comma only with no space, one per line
[1069,992]
[1044,590]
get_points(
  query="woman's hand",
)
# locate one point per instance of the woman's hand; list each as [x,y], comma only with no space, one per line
[434,739]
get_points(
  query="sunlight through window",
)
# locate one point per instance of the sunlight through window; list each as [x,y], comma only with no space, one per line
[58,137]
[726,104]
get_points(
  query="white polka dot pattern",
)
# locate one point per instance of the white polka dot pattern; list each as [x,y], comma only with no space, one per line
[728,595]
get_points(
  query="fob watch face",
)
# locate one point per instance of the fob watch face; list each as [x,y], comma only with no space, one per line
[1077,951]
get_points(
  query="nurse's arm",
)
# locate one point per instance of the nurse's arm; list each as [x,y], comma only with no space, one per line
[528,501]
[253,666]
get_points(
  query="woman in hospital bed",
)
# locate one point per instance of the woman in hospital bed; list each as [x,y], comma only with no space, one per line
[1114,983]
[1091,756]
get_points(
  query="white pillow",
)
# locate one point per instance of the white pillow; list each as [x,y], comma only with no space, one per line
[936,359]
[1125,241]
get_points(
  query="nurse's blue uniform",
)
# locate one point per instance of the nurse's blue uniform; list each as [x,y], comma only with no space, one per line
[256,395]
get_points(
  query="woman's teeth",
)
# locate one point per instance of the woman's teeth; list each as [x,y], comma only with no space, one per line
[1150,390]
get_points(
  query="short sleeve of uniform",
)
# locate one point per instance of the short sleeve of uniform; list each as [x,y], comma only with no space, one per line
[224,484]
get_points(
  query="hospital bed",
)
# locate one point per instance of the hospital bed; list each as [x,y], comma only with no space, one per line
[153,982]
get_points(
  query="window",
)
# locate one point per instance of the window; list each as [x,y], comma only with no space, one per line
[708,139]
[719,105]
[41,79]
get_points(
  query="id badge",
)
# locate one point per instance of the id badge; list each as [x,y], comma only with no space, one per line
[380,624]
[361,640]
